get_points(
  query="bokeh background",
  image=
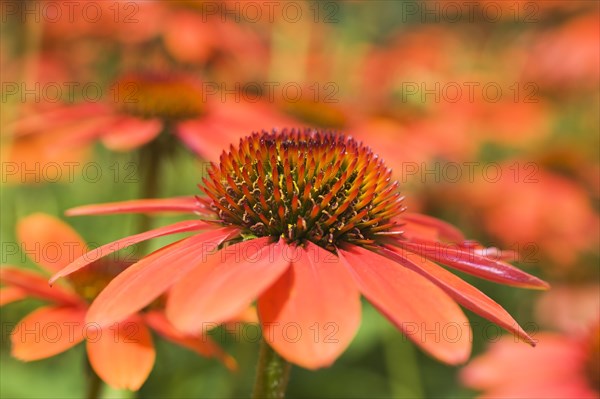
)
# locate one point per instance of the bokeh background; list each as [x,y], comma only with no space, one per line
[487,111]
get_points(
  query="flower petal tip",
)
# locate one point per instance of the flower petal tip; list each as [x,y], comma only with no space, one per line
[546,286]
[459,359]
[53,279]
[529,340]
[73,212]
[539,284]
[20,356]
[453,357]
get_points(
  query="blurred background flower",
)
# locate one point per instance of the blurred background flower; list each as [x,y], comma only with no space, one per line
[486,111]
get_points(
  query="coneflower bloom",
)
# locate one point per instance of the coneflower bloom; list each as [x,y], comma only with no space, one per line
[121,354]
[305,222]
[564,366]
[138,107]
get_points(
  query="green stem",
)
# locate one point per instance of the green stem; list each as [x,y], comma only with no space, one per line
[94,383]
[272,374]
[149,165]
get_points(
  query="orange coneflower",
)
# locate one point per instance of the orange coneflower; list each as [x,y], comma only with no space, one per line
[139,106]
[305,222]
[121,354]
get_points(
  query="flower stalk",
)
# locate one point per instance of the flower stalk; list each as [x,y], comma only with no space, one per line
[151,161]
[272,374]
[94,383]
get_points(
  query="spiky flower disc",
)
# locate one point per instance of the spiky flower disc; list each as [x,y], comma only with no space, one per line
[305,185]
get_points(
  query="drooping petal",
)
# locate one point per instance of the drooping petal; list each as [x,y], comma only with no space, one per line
[146,280]
[47,331]
[107,249]
[461,291]
[311,313]
[472,262]
[225,284]
[428,316]
[444,230]
[11,294]
[201,344]
[130,133]
[36,285]
[180,204]
[49,242]
[123,354]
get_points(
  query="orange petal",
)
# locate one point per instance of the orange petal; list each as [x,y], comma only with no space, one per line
[147,279]
[181,204]
[107,249]
[49,242]
[39,122]
[226,284]
[311,314]
[201,344]
[462,292]
[416,306]
[37,286]
[47,332]
[80,133]
[11,294]
[195,134]
[130,133]
[123,354]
